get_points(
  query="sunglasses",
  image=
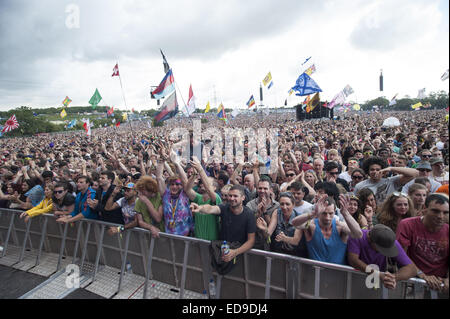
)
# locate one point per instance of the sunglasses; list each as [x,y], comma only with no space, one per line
[58,192]
[399,194]
[357,177]
[368,153]
[290,175]
[426,156]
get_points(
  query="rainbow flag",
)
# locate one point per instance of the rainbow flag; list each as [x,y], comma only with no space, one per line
[221,113]
[251,102]
[66,101]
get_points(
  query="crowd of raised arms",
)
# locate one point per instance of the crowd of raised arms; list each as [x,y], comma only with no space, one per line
[348,191]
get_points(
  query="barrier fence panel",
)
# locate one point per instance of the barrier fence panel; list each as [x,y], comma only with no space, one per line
[182,263]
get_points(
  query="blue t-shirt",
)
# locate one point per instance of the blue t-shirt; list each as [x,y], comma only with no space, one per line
[36,194]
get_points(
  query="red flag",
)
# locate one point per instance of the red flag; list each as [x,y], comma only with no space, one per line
[111,110]
[116,70]
[10,124]
[117,124]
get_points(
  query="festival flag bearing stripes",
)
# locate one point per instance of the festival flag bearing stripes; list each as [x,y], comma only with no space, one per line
[10,124]
[251,102]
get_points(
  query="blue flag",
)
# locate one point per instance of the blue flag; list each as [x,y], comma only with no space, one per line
[305,85]
[72,124]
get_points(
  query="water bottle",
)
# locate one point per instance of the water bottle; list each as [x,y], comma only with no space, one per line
[225,248]
[128,268]
[212,289]
[205,294]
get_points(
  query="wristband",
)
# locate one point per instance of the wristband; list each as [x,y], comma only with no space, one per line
[419,272]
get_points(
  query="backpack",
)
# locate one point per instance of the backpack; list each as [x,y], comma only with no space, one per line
[217,263]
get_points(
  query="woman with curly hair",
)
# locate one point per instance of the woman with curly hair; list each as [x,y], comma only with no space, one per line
[397,206]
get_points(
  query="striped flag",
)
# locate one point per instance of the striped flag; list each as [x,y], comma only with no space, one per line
[251,102]
[10,124]
[116,70]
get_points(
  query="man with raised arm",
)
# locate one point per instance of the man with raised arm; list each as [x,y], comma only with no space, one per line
[238,222]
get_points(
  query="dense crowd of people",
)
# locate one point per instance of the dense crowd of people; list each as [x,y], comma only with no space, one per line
[349,191]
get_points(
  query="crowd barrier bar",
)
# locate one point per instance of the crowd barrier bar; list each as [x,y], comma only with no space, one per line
[294,266]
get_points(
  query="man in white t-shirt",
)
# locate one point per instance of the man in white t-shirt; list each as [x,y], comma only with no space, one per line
[300,191]
[382,187]
[439,173]
[352,164]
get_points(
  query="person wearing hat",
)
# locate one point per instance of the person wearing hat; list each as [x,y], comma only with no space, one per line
[426,241]
[439,173]
[379,247]
[126,204]
[425,170]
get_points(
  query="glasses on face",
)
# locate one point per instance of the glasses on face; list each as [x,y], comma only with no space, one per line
[175,183]
[357,177]
[333,173]
[426,156]
[58,192]
[290,175]
[367,153]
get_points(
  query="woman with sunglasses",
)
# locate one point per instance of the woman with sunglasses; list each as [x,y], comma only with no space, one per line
[397,207]
[357,175]
[418,193]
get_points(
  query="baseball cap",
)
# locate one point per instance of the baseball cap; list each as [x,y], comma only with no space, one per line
[424,165]
[436,160]
[384,240]
[129,185]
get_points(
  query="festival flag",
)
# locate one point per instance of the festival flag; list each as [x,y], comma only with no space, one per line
[117,124]
[63,113]
[166,86]
[251,102]
[313,102]
[306,100]
[338,99]
[270,85]
[124,117]
[347,90]
[221,113]
[444,76]
[305,85]
[168,109]
[393,100]
[110,111]
[190,108]
[95,99]
[421,94]
[267,79]
[116,70]
[166,65]
[311,70]
[10,124]
[290,92]
[416,106]
[87,126]
[66,101]
[357,107]
[208,107]
[72,124]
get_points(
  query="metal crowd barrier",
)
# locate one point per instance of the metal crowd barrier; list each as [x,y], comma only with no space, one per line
[182,263]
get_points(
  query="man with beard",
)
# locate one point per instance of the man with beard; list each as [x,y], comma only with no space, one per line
[425,240]
[238,222]
[263,207]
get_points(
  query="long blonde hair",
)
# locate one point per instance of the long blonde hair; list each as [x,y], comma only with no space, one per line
[387,214]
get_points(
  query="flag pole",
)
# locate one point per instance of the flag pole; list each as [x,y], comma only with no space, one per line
[126,107]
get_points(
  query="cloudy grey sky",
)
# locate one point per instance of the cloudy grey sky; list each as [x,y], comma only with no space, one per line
[53,48]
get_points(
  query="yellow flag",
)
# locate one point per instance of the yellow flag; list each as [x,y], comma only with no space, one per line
[267,79]
[313,102]
[416,106]
[207,107]
[124,116]
[63,113]
[357,107]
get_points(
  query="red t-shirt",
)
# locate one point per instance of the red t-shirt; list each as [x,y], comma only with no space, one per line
[429,251]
